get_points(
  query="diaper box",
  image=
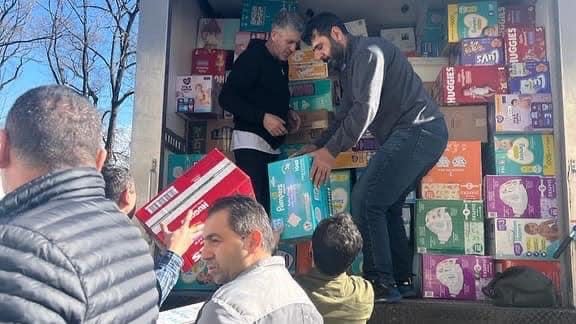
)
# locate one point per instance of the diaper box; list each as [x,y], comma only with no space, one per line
[258,15]
[457,175]
[196,279]
[529,78]
[469,85]
[304,257]
[456,277]
[212,62]
[367,142]
[296,205]
[307,71]
[523,238]
[450,227]
[196,190]
[516,15]
[521,197]
[482,51]
[178,164]
[341,189]
[196,94]
[472,20]
[526,154]
[217,33]
[311,95]
[525,44]
[523,113]
[403,38]
[357,27]
[288,252]
[303,56]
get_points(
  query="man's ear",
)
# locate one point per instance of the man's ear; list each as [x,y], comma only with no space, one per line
[255,239]
[101,155]
[4,149]
[337,34]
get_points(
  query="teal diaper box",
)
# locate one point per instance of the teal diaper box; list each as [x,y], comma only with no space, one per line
[311,95]
[179,163]
[525,154]
[296,205]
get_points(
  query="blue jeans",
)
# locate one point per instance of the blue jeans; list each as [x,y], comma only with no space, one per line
[378,196]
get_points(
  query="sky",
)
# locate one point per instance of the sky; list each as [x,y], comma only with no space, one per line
[36,74]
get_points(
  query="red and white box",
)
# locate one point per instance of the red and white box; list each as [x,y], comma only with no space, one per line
[212,62]
[469,85]
[213,177]
[525,44]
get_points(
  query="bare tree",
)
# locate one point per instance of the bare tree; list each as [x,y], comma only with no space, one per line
[14,43]
[92,50]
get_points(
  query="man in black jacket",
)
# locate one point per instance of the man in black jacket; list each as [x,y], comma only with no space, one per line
[256,93]
[68,255]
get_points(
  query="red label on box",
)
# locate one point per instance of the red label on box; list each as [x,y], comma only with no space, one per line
[525,44]
[211,62]
[466,85]
[211,178]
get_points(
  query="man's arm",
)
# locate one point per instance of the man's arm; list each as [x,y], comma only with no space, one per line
[242,79]
[167,269]
[367,79]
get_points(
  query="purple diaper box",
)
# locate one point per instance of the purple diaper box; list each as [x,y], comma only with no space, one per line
[456,277]
[482,51]
[520,197]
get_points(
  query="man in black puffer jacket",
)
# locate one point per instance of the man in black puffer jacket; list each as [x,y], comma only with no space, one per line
[67,254]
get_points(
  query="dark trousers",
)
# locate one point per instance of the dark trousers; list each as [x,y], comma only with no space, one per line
[378,196]
[255,164]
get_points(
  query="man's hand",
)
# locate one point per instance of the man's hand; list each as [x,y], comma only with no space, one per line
[180,240]
[305,150]
[274,125]
[294,121]
[322,165]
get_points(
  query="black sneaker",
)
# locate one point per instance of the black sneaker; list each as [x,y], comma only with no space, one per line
[386,293]
[406,288]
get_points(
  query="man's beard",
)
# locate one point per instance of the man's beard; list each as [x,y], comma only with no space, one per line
[336,56]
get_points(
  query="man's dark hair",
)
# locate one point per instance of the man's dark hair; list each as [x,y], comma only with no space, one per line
[53,127]
[335,244]
[117,179]
[246,215]
[321,25]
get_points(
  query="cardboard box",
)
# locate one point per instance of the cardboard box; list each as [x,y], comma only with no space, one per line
[205,135]
[258,15]
[457,175]
[450,227]
[523,113]
[196,190]
[525,44]
[242,40]
[529,78]
[466,123]
[472,20]
[551,269]
[288,252]
[341,190]
[518,15]
[178,164]
[469,85]
[304,258]
[526,154]
[523,238]
[403,38]
[304,136]
[196,279]
[311,95]
[211,62]
[521,197]
[308,71]
[352,160]
[482,51]
[357,27]
[184,94]
[296,205]
[456,277]
[217,33]
[315,119]
[303,56]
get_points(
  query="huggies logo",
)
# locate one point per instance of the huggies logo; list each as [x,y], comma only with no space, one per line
[512,45]
[200,208]
[450,86]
